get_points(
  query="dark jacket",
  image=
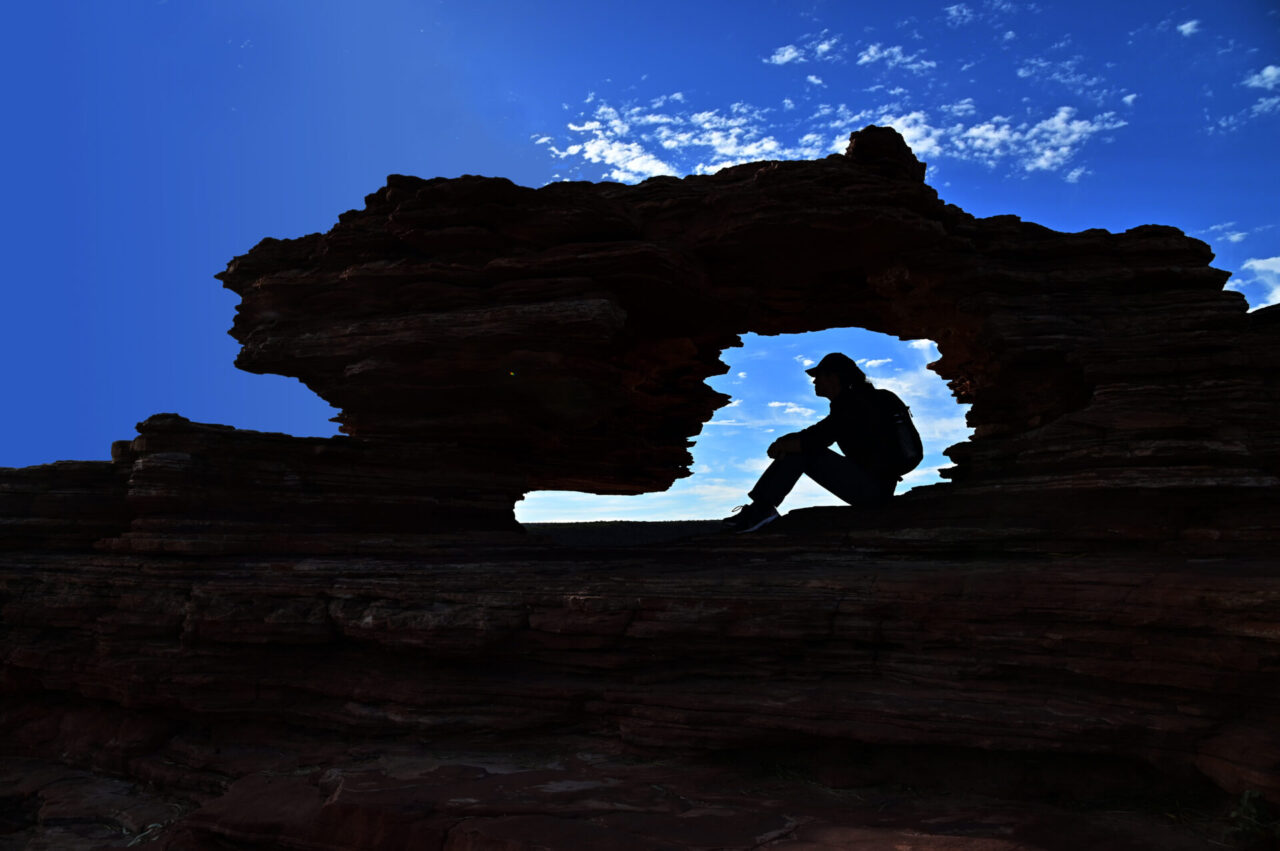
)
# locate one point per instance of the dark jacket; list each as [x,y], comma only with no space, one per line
[861,424]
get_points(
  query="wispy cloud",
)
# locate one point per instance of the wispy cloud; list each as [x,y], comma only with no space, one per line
[1052,143]
[1047,145]
[958,15]
[1265,106]
[895,57]
[1069,74]
[961,108]
[823,47]
[1268,79]
[1226,231]
[1190,28]
[634,142]
[791,409]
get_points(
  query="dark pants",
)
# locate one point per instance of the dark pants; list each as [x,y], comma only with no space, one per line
[844,478]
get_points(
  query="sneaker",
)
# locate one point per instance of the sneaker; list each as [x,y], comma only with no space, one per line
[748,518]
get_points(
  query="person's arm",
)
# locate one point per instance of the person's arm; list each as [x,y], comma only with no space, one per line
[817,436]
[821,434]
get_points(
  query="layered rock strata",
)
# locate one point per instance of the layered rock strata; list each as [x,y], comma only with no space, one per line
[197,488]
[565,332]
[119,663]
[67,505]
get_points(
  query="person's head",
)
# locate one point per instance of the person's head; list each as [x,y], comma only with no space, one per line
[836,373]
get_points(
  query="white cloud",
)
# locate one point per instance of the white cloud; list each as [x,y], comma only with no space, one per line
[989,141]
[663,136]
[826,46]
[1266,272]
[791,409]
[1010,35]
[1129,99]
[1268,78]
[872,363]
[742,375]
[786,53]
[1227,231]
[804,361]
[1075,174]
[788,103]
[895,57]
[630,161]
[959,15]
[961,108]
[1190,28]
[1054,141]
[814,79]
[823,47]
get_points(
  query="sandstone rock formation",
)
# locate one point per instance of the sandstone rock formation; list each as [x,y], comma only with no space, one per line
[564,333]
[228,639]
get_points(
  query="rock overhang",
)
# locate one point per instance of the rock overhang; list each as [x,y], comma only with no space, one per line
[568,330]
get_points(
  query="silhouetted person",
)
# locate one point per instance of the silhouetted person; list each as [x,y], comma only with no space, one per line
[860,422]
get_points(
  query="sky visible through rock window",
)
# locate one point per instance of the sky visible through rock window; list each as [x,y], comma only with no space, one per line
[773,396]
[153,140]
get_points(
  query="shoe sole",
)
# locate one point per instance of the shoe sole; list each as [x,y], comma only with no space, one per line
[772,517]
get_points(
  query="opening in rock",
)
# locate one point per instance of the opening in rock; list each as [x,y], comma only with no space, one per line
[772,396]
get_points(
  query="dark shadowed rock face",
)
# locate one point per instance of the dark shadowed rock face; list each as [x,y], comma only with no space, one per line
[229,639]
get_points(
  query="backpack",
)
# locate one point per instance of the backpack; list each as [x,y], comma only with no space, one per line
[904,449]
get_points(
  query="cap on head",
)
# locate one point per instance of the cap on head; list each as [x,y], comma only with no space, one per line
[842,365]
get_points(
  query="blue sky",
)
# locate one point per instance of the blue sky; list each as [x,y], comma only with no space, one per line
[150,142]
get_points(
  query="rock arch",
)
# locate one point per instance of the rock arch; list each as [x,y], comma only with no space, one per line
[558,338]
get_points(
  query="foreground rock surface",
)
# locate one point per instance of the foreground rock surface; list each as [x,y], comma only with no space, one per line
[258,696]
[562,795]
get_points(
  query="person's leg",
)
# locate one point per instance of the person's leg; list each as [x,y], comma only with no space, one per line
[777,480]
[844,478]
[833,471]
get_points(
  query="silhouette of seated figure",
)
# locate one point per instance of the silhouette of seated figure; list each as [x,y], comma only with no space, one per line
[861,423]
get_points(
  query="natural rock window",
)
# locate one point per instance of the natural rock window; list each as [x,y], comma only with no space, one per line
[771,396]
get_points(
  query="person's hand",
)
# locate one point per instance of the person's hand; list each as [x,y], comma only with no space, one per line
[785,445]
